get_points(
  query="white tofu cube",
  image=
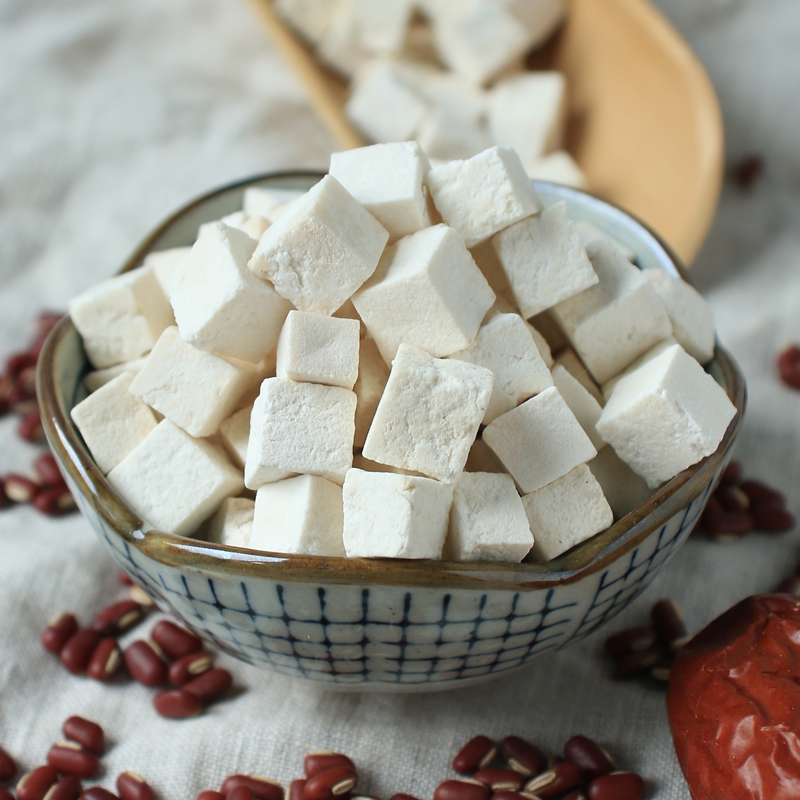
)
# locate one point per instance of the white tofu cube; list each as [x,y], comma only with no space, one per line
[121,319]
[544,259]
[319,349]
[300,427]
[174,481]
[449,133]
[623,488]
[542,346]
[666,416]
[168,267]
[308,17]
[348,311]
[254,227]
[194,389]
[528,112]
[481,458]
[505,346]
[359,462]
[573,365]
[234,433]
[383,26]
[547,325]
[489,264]
[565,513]
[478,38]
[429,414]
[539,441]
[225,308]
[394,516]
[261,201]
[487,521]
[483,195]
[581,402]
[388,180]
[540,17]
[617,319]
[559,167]
[112,421]
[690,314]
[427,291]
[233,523]
[340,46]
[372,376]
[589,232]
[321,250]
[299,515]
[383,106]
[656,350]
[100,377]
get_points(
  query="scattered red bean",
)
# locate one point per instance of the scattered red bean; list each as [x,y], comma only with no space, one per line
[506,794]
[240,793]
[499,780]
[141,597]
[47,472]
[118,618]
[17,362]
[630,640]
[68,788]
[85,732]
[668,621]
[331,783]
[576,795]
[30,426]
[789,586]
[462,790]
[8,766]
[403,796]
[69,758]
[20,489]
[316,763]
[263,788]
[295,790]
[175,641]
[637,662]
[210,685]
[58,631]
[589,756]
[132,786]
[773,520]
[105,661]
[617,786]
[144,663]
[728,526]
[177,704]
[732,473]
[54,502]
[185,669]
[555,782]
[98,793]
[35,785]
[789,366]
[733,499]
[760,494]
[124,578]
[210,794]
[476,754]
[522,756]
[747,172]
[77,652]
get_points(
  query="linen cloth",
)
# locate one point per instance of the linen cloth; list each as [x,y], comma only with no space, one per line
[114,114]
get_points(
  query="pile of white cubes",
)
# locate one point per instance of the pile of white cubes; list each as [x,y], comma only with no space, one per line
[448,73]
[350,371]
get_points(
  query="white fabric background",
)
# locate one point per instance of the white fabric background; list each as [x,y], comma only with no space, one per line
[112,115]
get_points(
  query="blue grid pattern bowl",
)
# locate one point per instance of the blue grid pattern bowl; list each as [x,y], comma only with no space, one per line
[386,625]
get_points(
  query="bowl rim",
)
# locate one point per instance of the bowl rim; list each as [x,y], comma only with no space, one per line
[181,552]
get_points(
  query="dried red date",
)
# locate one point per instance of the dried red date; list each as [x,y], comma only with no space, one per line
[85,732]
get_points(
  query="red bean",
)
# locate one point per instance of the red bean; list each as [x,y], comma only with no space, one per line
[522,756]
[17,362]
[476,754]
[331,783]
[35,785]
[402,796]
[556,781]
[124,578]
[47,320]
[5,794]
[30,427]
[22,399]
[20,489]
[576,795]
[727,524]
[263,788]
[732,498]
[132,786]
[118,618]
[630,640]
[499,780]
[68,788]
[321,761]
[762,495]
[8,767]
[54,502]
[175,641]
[462,790]
[185,669]
[589,756]
[773,520]
[69,758]
[144,663]
[789,586]
[732,474]
[210,794]
[637,662]
[77,652]
[105,661]
[210,685]
[85,732]
[177,704]
[789,366]
[98,793]
[241,793]
[58,631]
[505,794]
[47,471]
[617,786]
[141,597]
[668,621]
[295,790]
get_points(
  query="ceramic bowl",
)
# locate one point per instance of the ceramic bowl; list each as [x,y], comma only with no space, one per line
[382,624]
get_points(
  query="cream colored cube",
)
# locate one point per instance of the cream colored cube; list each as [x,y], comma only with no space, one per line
[615,321]
[487,521]
[572,364]
[299,515]
[623,488]
[121,319]
[449,133]
[388,180]
[394,516]
[429,414]
[482,458]
[383,26]
[581,402]
[540,17]
[112,421]
[539,441]
[666,416]
[235,433]
[321,250]
[483,195]
[224,308]
[309,17]
[528,112]
[194,389]
[300,427]
[558,167]
[262,201]
[690,314]
[340,46]
[489,264]
[173,481]
[168,267]
[233,522]
[505,346]
[542,345]
[565,513]
[656,350]
[426,292]
[589,232]
[372,376]
[544,260]
[100,377]
[319,349]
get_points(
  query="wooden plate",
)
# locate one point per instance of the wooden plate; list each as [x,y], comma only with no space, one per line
[645,124]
